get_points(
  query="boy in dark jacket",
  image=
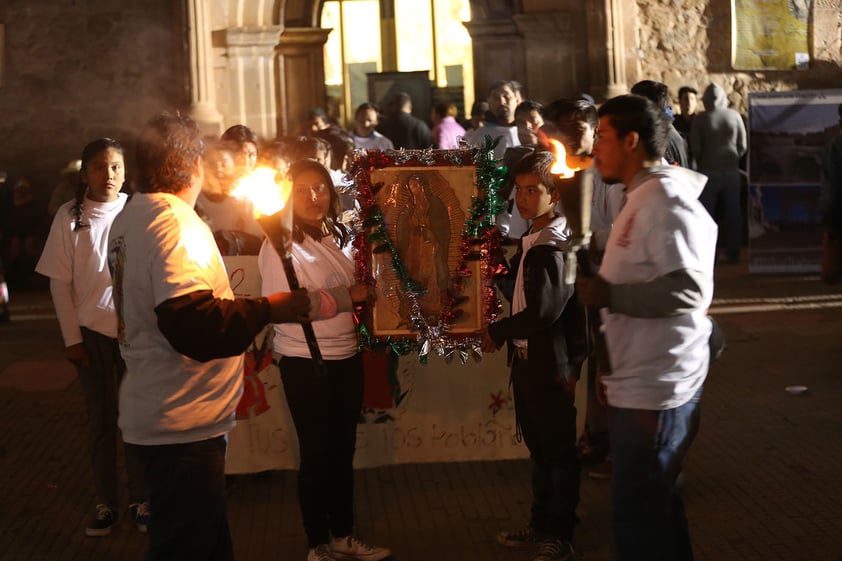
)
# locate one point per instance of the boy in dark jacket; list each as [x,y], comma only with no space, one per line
[547,342]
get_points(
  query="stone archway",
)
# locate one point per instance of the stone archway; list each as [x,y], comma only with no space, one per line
[265,58]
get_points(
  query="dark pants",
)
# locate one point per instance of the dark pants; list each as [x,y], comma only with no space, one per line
[100,381]
[189,516]
[325,410]
[649,448]
[547,419]
[725,187]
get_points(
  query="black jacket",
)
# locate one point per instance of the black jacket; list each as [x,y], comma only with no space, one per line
[553,321]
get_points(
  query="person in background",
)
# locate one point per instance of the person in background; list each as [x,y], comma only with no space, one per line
[574,122]
[653,288]
[365,136]
[246,144]
[76,262]
[659,94]
[718,140]
[547,340]
[446,131]
[402,128]
[341,150]
[182,334]
[67,186]
[325,406]
[230,219]
[529,119]
[503,98]
[478,112]
[315,121]
[277,155]
[687,102]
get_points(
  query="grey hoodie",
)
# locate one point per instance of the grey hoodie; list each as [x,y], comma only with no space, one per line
[718,136]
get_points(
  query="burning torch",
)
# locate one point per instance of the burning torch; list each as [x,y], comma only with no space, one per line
[575,185]
[272,204]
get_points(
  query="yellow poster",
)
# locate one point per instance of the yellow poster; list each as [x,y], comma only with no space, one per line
[770,34]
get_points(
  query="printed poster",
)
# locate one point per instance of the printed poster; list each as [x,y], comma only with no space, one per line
[770,34]
[787,135]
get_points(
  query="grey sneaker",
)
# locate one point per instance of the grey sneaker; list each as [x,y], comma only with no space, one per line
[102,522]
[555,550]
[353,548]
[320,553]
[519,538]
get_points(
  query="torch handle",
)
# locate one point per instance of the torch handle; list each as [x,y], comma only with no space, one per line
[309,334]
[584,263]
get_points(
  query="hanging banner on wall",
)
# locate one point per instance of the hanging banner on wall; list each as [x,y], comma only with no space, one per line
[770,34]
[787,135]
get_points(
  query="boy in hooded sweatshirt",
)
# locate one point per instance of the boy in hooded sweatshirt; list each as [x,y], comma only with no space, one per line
[717,141]
[654,286]
[547,344]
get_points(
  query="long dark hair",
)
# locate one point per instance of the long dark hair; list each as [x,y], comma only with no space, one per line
[331,222]
[91,150]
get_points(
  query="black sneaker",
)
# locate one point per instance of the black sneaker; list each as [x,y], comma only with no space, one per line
[555,550]
[139,513]
[102,523]
[519,538]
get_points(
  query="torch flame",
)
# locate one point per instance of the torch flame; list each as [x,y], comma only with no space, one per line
[560,167]
[266,195]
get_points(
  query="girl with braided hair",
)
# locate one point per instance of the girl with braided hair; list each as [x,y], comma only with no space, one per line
[75,260]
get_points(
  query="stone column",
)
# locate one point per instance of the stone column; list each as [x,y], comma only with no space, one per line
[556,59]
[203,108]
[251,75]
[301,74]
[498,53]
[607,48]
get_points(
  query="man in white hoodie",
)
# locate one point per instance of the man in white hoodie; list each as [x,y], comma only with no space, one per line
[654,286]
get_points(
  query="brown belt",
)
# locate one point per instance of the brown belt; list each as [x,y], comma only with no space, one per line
[522,353]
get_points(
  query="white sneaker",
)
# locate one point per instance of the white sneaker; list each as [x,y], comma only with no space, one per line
[351,547]
[320,553]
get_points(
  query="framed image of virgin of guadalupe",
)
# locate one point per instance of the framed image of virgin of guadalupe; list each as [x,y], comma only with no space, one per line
[427,243]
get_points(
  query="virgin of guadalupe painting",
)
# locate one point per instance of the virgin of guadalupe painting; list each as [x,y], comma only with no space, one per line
[424,215]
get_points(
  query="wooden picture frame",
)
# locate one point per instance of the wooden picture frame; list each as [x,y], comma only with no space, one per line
[424,235]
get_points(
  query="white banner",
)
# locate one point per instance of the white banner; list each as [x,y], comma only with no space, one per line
[426,413]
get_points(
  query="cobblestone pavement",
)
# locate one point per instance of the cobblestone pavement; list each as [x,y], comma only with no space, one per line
[762,479]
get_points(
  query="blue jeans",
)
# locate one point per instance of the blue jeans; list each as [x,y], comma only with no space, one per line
[188,513]
[649,448]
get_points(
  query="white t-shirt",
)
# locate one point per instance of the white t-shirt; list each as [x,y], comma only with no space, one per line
[160,249]
[229,214]
[507,135]
[317,265]
[658,363]
[79,258]
[375,141]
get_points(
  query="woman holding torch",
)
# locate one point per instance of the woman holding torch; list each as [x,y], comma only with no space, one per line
[324,403]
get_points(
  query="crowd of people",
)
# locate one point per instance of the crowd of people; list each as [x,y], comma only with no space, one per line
[150,322]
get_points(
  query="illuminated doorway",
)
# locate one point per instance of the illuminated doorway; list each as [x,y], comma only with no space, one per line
[428,35]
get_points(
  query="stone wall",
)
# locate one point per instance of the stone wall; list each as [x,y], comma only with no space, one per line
[688,42]
[77,70]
